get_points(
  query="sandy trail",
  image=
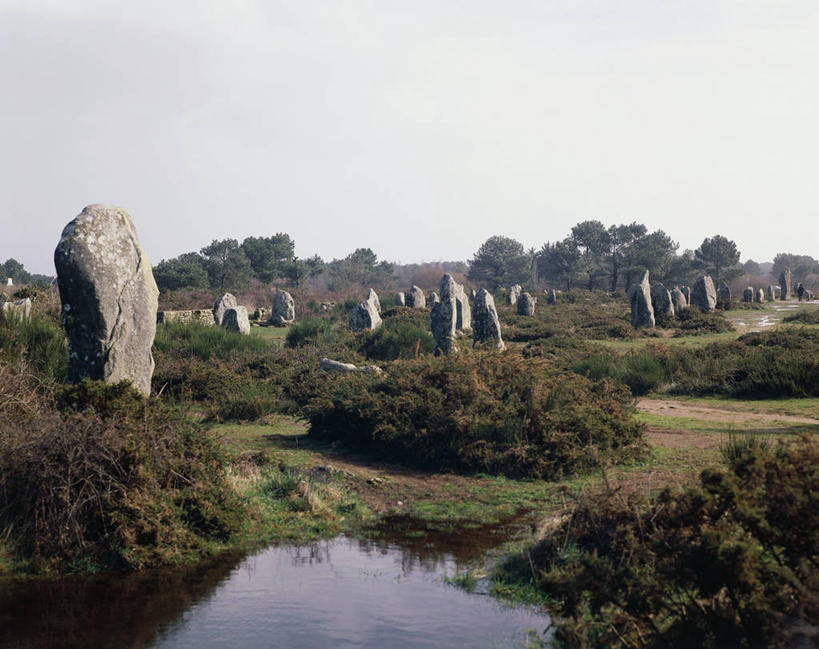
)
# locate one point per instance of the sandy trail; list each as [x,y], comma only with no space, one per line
[672,408]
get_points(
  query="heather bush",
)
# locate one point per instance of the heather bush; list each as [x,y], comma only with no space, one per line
[731,562]
[803,316]
[107,486]
[479,411]
[405,333]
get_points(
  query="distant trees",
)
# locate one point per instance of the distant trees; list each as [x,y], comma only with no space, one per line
[227,264]
[361,267]
[270,257]
[801,266]
[560,261]
[14,269]
[500,261]
[719,255]
[186,270]
[751,267]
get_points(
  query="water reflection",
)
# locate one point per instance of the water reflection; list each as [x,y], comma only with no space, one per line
[339,593]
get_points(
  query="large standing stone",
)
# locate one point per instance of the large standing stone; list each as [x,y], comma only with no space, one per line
[678,299]
[366,314]
[415,298]
[642,313]
[760,295]
[19,309]
[526,304]
[227,301]
[513,294]
[748,294]
[785,283]
[283,309]
[703,295]
[109,298]
[551,296]
[771,293]
[724,292]
[433,298]
[372,297]
[400,299]
[661,301]
[687,292]
[485,323]
[235,319]
[444,317]
[463,310]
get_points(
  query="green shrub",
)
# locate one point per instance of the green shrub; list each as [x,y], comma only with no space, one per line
[639,370]
[489,412]
[691,321]
[731,562]
[205,342]
[803,316]
[39,341]
[311,331]
[405,333]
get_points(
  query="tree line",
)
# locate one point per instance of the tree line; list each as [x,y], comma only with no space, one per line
[594,256]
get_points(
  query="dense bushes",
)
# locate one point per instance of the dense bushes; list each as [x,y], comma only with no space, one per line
[732,562]
[491,412]
[803,316]
[101,485]
[405,333]
[782,363]
[691,321]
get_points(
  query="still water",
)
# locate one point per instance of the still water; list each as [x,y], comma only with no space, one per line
[342,593]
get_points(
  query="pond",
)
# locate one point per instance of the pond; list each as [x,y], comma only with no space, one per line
[340,593]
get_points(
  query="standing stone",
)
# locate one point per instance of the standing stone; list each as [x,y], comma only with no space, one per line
[283,311]
[687,292]
[472,295]
[415,298]
[227,301]
[400,299]
[19,309]
[109,298]
[463,313]
[800,291]
[748,294]
[513,294]
[771,293]
[526,304]
[433,298]
[703,295]
[661,300]
[724,292]
[366,314]
[485,323]
[678,299]
[444,317]
[551,296]
[642,313]
[372,297]
[235,319]
[785,283]
[760,295]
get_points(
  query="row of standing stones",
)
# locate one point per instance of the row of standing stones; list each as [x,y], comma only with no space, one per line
[109,302]
[649,300]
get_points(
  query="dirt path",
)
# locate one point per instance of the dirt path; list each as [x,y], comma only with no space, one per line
[672,408]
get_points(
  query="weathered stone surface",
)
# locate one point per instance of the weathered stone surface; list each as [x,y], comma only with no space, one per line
[472,295]
[283,309]
[235,319]
[261,314]
[19,309]
[109,298]
[642,312]
[204,316]
[400,299]
[703,295]
[760,295]
[329,365]
[771,293]
[444,317]
[786,288]
[748,294]
[661,301]
[463,310]
[432,298]
[526,304]
[227,301]
[551,296]
[485,324]
[724,292]
[415,298]
[372,298]
[678,299]
[513,294]
[687,292]
[366,314]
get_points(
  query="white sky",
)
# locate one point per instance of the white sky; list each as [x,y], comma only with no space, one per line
[417,128]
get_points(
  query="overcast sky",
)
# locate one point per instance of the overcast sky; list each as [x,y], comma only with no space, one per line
[416,128]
